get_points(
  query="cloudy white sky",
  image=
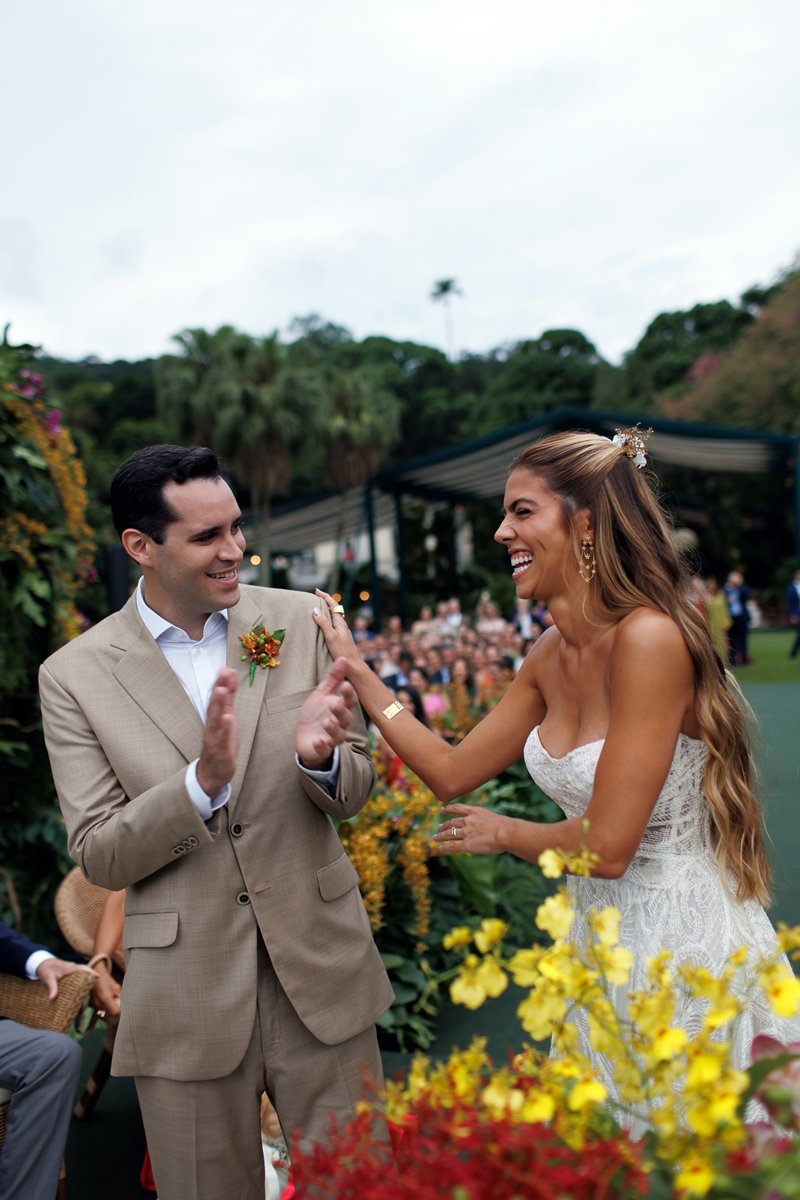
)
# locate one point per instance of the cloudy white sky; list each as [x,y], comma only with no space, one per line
[583,163]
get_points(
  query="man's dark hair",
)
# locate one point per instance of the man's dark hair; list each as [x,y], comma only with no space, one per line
[137,489]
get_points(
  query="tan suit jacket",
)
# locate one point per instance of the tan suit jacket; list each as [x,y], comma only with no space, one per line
[120,731]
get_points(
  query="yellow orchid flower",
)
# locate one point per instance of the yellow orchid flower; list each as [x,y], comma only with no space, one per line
[460,936]
[490,933]
[551,864]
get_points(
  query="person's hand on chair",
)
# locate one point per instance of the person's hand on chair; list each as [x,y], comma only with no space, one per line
[50,970]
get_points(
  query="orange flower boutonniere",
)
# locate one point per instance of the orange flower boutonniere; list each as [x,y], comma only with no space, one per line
[262,648]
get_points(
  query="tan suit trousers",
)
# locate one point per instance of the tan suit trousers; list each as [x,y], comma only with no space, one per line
[204,1136]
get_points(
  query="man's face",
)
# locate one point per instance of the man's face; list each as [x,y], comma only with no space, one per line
[195,570]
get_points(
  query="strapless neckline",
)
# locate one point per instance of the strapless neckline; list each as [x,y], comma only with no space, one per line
[588,745]
[568,753]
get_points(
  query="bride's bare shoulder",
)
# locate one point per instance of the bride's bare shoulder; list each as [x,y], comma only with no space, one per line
[543,651]
[647,629]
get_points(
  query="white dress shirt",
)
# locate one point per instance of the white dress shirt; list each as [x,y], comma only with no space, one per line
[35,961]
[197,665]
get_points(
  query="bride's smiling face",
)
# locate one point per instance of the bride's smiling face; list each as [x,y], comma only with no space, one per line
[537,536]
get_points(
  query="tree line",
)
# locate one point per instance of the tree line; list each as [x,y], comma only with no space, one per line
[320,410]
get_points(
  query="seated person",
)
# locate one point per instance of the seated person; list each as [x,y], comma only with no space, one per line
[40,1068]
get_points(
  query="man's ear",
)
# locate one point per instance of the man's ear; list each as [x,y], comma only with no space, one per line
[138,546]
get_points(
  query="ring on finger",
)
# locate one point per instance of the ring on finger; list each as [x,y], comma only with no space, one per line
[338,608]
[453,833]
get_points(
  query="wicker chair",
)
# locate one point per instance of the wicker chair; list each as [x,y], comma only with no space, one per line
[27,1001]
[78,907]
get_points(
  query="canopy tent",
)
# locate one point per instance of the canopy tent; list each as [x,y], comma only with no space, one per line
[478,469]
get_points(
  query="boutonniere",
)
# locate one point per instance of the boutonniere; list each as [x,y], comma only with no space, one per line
[262,648]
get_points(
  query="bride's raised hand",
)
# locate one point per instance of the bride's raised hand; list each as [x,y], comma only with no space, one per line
[335,629]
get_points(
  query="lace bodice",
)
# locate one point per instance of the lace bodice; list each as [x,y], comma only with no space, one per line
[679,825]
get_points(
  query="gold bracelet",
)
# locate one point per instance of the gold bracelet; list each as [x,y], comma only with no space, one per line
[393,709]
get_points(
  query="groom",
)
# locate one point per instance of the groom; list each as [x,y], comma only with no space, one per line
[205,784]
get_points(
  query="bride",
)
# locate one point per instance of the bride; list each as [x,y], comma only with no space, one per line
[625,716]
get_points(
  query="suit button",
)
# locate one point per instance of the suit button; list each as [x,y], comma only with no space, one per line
[178,850]
[237,829]
[243,898]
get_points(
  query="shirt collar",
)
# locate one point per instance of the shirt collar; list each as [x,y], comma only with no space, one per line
[158,626]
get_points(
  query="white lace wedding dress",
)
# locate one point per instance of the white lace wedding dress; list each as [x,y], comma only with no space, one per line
[672,895]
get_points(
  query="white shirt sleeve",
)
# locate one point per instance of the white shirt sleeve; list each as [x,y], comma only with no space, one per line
[330,778]
[35,961]
[206,805]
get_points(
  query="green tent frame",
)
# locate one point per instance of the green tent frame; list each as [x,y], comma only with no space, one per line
[478,469]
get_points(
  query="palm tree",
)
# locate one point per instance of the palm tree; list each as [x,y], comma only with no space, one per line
[443,290]
[272,409]
[238,394]
[363,422]
[193,385]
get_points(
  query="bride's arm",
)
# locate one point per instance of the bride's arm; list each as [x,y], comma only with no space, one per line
[651,696]
[449,771]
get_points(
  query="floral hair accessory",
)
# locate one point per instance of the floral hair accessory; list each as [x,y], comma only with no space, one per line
[262,648]
[633,441]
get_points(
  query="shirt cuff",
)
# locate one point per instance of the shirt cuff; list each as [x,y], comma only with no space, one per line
[329,778]
[205,804]
[35,961]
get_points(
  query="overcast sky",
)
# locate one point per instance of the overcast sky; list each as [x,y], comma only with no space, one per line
[581,163]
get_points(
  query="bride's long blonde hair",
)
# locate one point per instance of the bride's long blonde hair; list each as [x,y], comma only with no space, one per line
[637,565]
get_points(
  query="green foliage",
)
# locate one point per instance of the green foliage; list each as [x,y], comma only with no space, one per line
[756,381]
[556,370]
[45,561]
[673,342]
[322,410]
[464,890]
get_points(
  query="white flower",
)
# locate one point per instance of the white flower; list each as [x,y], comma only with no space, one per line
[632,441]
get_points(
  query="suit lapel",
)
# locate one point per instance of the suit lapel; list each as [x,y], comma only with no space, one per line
[145,674]
[147,677]
[249,697]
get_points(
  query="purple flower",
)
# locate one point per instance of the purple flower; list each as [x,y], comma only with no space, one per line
[779,1090]
[32,386]
[764,1140]
[52,422]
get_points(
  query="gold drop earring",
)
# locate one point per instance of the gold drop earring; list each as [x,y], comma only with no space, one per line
[587,564]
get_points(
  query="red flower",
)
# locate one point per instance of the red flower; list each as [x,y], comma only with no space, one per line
[440,1150]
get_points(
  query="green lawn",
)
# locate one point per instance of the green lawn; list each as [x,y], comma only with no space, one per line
[769,650]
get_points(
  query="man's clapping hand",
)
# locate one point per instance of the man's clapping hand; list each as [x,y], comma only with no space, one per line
[325,719]
[216,766]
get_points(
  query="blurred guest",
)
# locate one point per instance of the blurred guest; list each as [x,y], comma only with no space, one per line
[410,698]
[697,593]
[793,611]
[423,623]
[437,671]
[490,622]
[394,627]
[433,701]
[737,594]
[718,617]
[453,617]
[361,629]
[522,618]
[461,674]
